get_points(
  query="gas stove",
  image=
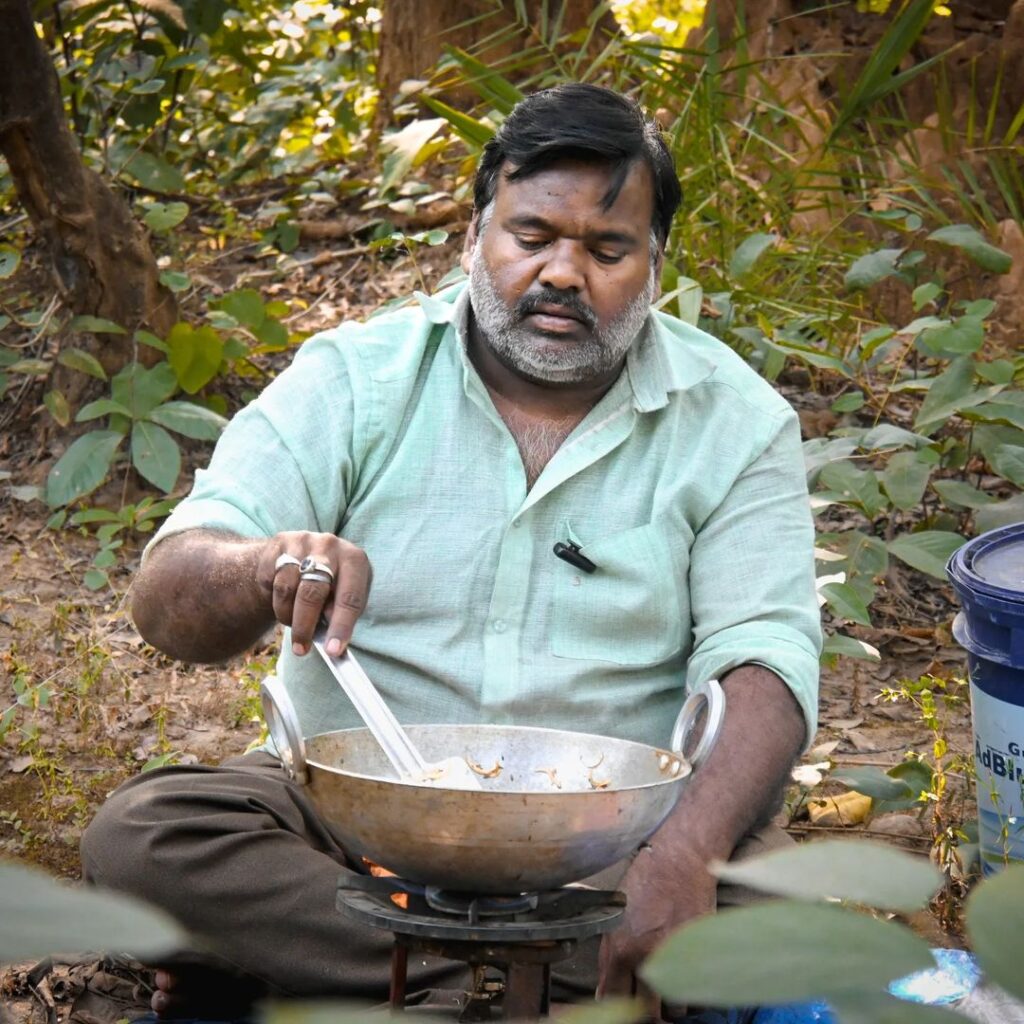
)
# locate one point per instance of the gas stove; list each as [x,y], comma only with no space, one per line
[520,936]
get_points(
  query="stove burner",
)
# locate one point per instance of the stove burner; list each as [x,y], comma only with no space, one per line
[521,936]
[472,908]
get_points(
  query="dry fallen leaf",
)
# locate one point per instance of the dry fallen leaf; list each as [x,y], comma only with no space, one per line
[846,809]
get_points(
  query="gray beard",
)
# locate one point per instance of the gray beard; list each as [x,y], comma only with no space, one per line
[537,356]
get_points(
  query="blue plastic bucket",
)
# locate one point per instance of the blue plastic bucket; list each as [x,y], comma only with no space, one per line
[988,576]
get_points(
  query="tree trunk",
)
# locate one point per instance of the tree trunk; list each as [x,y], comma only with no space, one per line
[100,255]
[414,32]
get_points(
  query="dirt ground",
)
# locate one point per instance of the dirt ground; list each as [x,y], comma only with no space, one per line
[115,705]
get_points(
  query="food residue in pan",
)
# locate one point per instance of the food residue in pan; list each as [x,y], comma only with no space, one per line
[486,773]
[552,774]
[597,783]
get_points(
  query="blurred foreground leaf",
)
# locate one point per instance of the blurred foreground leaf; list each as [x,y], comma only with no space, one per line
[40,916]
[995,911]
[870,873]
[780,953]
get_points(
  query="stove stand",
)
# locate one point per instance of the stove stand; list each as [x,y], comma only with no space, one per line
[519,936]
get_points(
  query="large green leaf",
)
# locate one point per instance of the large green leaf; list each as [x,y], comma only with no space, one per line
[101,407]
[782,952]
[845,602]
[748,252]
[95,325]
[969,240]
[245,305]
[956,338]
[155,455]
[155,174]
[1008,461]
[994,914]
[40,917]
[1005,412]
[141,389]
[872,268]
[927,551]
[873,874]
[195,355]
[9,260]
[875,783]
[959,493]
[1004,513]
[83,467]
[189,419]
[950,392]
[859,486]
[904,479]
[469,129]
[839,645]
[160,217]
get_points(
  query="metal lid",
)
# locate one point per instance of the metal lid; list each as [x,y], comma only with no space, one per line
[992,564]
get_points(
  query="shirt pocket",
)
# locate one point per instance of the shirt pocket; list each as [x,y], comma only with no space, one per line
[627,611]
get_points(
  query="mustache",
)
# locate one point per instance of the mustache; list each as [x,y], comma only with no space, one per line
[569,301]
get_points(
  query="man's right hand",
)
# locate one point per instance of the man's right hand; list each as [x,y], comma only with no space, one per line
[300,603]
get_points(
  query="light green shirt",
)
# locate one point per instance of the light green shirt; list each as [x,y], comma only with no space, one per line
[684,485]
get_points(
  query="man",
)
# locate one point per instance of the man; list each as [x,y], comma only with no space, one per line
[441,452]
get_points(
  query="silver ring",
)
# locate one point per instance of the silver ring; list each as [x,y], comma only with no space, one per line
[308,565]
[313,576]
[283,560]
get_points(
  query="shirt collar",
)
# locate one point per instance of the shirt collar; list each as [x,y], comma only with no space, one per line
[658,364]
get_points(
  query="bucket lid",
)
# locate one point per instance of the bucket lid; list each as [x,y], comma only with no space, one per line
[992,564]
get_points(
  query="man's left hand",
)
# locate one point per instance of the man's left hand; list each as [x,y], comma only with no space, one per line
[665,886]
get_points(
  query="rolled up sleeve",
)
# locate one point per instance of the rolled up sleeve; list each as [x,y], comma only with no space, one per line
[752,575]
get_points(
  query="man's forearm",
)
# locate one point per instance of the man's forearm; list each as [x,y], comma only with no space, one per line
[740,784]
[197,597]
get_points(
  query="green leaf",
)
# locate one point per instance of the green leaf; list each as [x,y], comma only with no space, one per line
[871,874]
[154,85]
[491,86]
[841,646]
[58,407]
[878,785]
[925,293]
[961,494]
[244,305]
[872,268]
[999,371]
[176,280]
[997,412]
[142,390]
[95,325]
[845,602]
[78,359]
[83,467]
[195,355]
[155,174]
[473,132]
[969,241]
[194,421]
[95,578]
[93,515]
[850,402]
[748,252]
[160,217]
[40,917]
[101,407]
[1004,513]
[9,260]
[155,454]
[956,338]
[905,478]
[948,393]
[32,367]
[858,486]
[1008,461]
[927,551]
[151,341]
[813,952]
[403,147]
[272,334]
[993,916]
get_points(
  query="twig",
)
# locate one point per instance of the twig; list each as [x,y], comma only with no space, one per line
[28,381]
[846,830]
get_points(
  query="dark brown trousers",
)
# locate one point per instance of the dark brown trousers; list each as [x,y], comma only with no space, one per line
[238,855]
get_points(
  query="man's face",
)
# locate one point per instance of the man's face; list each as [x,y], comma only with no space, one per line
[560,286]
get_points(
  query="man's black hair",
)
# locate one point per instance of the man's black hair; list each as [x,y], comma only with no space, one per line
[584,122]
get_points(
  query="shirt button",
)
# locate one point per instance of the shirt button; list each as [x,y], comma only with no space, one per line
[576,581]
[500,625]
[516,523]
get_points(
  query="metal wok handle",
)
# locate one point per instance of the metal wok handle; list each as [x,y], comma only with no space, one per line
[708,695]
[283,723]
